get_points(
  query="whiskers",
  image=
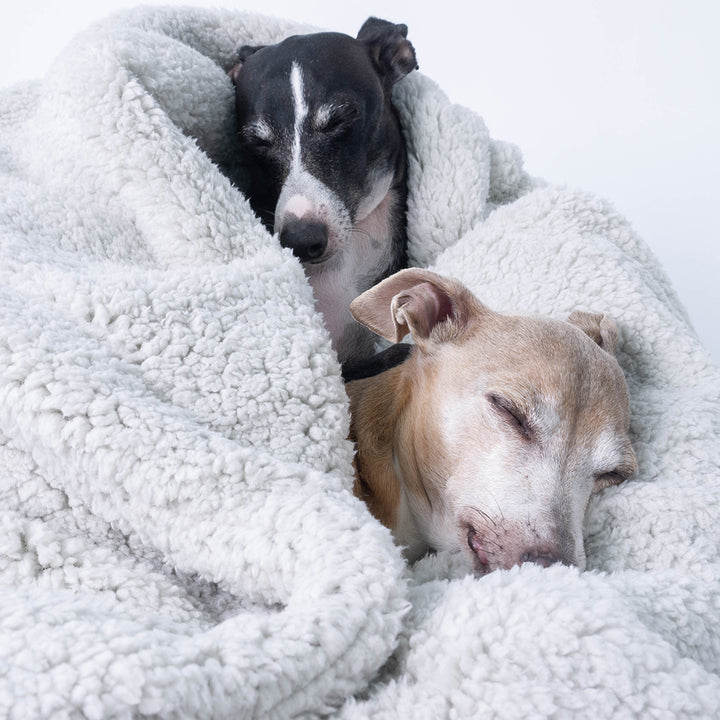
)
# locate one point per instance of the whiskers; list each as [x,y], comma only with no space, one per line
[488,518]
[352,230]
[359,231]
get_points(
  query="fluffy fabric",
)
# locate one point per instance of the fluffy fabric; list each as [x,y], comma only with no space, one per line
[179,539]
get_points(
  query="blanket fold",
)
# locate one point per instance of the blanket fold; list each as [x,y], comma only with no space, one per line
[178,535]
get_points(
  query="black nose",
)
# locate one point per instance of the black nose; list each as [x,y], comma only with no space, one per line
[306,238]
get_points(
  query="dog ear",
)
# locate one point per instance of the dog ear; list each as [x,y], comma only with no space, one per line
[391,51]
[599,327]
[242,54]
[422,303]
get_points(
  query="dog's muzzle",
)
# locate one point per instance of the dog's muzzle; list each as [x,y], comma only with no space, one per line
[307,239]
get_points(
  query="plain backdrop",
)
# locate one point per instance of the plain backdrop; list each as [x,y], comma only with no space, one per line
[617,97]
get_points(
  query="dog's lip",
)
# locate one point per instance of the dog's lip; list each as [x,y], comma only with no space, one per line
[320,261]
[480,558]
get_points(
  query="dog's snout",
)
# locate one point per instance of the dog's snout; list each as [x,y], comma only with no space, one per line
[307,239]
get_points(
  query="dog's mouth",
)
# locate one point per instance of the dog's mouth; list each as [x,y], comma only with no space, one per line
[480,558]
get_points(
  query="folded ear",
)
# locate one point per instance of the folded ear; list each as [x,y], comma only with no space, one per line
[390,50]
[599,327]
[428,306]
[243,54]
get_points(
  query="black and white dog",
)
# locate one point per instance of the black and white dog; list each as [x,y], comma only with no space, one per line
[325,162]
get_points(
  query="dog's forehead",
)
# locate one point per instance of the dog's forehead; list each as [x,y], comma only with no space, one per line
[339,62]
[541,346]
[548,362]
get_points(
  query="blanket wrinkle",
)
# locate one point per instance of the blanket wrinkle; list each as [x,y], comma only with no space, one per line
[178,535]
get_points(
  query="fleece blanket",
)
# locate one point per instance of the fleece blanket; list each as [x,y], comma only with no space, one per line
[178,534]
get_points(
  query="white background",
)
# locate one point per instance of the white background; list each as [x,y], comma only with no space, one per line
[618,97]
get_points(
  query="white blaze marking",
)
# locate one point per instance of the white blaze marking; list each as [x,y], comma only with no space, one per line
[301,110]
[298,193]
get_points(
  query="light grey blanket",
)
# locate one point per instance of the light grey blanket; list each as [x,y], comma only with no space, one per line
[178,537]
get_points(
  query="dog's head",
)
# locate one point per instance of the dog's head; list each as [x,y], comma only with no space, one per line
[316,124]
[511,423]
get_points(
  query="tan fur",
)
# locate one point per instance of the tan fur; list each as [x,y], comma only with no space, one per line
[375,404]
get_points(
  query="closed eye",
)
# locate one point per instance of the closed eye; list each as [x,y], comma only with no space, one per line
[606,479]
[511,414]
[336,120]
[257,136]
[620,473]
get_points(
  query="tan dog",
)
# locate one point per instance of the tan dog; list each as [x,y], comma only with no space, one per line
[490,438]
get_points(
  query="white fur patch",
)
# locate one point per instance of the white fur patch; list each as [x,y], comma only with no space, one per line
[299,206]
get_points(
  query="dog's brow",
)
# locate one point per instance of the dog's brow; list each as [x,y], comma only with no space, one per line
[324,114]
[611,450]
[259,128]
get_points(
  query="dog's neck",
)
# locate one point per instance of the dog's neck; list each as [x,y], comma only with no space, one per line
[376,404]
[378,248]
[380,422]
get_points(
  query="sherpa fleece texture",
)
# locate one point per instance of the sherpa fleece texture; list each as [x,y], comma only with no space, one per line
[178,536]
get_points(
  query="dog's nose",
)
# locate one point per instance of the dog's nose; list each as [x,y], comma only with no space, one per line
[306,238]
